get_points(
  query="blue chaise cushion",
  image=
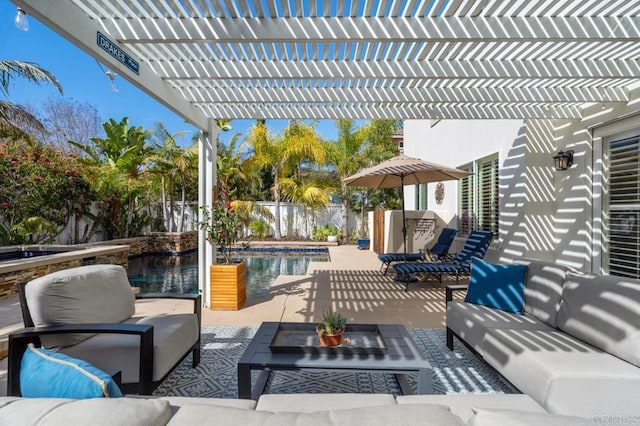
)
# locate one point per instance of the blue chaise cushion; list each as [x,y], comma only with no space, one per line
[47,374]
[497,286]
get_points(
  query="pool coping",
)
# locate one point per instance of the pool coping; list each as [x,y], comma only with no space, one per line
[24,263]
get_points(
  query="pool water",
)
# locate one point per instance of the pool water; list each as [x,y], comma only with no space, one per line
[179,274]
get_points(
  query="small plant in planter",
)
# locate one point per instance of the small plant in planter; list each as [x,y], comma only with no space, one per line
[331,328]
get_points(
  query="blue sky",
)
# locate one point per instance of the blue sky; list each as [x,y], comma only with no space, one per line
[83,80]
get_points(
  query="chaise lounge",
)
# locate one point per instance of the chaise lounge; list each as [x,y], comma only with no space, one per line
[439,251]
[476,246]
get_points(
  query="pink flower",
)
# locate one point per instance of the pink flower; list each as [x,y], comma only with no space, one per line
[4,204]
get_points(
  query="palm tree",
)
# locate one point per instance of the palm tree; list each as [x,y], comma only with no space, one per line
[346,157]
[174,165]
[15,118]
[312,192]
[117,162]
[283,154]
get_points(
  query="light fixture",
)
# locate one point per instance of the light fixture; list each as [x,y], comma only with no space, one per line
[563,160]
[21,20]
[112,76]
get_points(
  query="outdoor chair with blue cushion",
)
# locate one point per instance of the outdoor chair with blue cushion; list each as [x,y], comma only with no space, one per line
[438,252]
[476,246]
[88,313]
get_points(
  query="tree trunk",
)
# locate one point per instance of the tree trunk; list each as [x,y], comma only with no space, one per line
[345,214]
[276,197]
[183,200]
[165,212]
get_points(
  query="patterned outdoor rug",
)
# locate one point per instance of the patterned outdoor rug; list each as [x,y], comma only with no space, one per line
[216,376]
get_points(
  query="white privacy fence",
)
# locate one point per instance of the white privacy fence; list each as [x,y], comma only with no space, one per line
[295,220]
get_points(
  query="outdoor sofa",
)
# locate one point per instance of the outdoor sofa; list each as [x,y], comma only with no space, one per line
[284,410]
[576,348]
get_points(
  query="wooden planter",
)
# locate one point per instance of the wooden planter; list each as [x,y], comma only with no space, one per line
[228,286]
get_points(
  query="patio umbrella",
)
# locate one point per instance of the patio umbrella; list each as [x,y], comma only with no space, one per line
[400,171]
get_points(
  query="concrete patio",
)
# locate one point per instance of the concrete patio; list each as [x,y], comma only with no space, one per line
[350,283]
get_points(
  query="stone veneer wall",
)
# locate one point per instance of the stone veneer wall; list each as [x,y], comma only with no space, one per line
[157,242]
[9,280]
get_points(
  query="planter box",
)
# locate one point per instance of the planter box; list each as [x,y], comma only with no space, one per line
[363,243]
[228,286]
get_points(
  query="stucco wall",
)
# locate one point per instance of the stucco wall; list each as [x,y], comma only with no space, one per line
[544,214]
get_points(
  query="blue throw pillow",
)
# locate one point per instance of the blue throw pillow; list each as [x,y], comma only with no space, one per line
[47,374]
[497,286]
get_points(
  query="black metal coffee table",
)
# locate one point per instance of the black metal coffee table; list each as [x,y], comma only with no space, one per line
[400,356]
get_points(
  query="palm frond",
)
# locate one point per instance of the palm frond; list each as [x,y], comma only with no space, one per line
[30,71]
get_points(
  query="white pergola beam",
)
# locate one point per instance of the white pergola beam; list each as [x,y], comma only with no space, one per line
[403,111]
[67,20]
[408,29]
[197,93]
[446,69]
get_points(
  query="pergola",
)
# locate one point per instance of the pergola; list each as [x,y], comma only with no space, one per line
[409,59]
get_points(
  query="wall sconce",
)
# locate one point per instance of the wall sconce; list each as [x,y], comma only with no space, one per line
[21,20]
[563,160]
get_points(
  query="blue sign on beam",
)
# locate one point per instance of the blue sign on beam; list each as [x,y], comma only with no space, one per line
[112,49]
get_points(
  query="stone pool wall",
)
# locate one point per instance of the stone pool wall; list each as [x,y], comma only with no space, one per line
[12,273]
[107,252]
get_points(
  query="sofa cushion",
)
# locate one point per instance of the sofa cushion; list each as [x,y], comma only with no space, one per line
[463,405]
[471,322]
[543,289]
[306,403]
[87,294]
[538,361]
[46,374]
[603,311]
[517,418]
[371,416]
[497,286]
[95,412]
[172,336]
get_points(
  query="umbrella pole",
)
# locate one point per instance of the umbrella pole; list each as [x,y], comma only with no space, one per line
[404,220]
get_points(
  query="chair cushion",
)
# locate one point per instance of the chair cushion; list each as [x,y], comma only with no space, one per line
[87,294]
[497,286]
[408,414]
[471,322]
[603,311]
[46,374]
[562,373]
[94,412]
[486,417]
[172,336]
[543,289]
[306,403]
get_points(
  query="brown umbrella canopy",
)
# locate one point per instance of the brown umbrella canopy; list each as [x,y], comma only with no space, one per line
[402,170]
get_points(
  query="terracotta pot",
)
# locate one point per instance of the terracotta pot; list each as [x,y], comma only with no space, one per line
[334,339]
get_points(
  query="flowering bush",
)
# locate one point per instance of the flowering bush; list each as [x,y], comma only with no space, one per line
[222,225]
[40,185]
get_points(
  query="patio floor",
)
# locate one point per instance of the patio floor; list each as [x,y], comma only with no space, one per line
[350,283]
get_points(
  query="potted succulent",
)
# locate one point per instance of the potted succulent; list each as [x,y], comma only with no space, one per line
[222,226]
[331,328]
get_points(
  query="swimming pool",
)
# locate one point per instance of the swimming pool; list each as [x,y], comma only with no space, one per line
[179,274]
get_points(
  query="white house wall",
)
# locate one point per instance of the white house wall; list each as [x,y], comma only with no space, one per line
[544,214]
[458,142]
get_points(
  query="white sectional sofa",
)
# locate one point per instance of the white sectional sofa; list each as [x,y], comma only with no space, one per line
[576,349]
[283,410]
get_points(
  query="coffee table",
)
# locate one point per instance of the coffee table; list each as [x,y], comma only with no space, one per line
[402,356]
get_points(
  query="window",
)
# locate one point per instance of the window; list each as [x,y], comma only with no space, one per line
[421,197]
[478,207]
[622,207]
